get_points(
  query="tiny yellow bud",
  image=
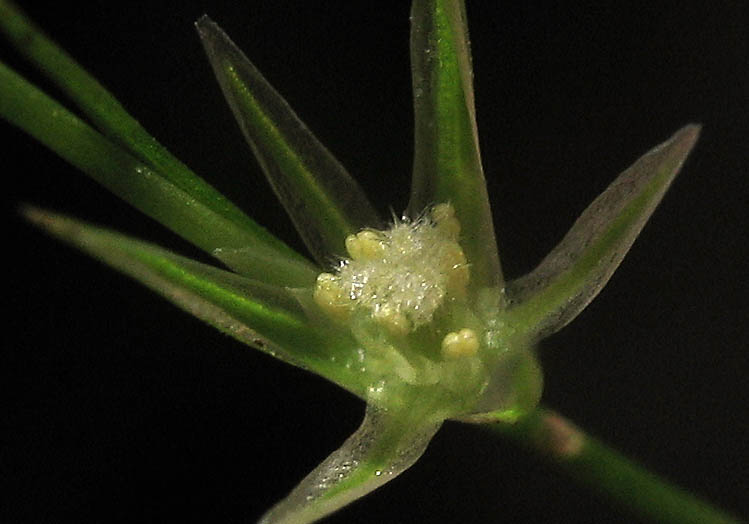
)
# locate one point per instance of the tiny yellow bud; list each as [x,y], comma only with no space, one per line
[444,218]
[329,296]
[365,245]
[393,320]
[464,343]
[458,272]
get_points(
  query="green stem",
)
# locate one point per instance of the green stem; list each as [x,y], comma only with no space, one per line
[593,463]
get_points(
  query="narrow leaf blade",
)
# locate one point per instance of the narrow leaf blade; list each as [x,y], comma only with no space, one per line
[109,116]
[263,316]
[576,270]
[324,202]
[25,106]
[447,162]
[384,446]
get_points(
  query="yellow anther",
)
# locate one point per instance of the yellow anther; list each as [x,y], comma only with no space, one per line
[329,296]
[457,280]
[453,256]
[456,267]
[464,343]
[444,218]
[392,320]
[365,245]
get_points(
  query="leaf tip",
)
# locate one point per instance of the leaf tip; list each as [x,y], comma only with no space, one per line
[685,138]
[35,215]
[202,23]
[56,225]
[689,133]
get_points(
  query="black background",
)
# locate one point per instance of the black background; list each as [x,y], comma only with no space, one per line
[120,408]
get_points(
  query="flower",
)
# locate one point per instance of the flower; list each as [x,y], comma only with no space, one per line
[414,317]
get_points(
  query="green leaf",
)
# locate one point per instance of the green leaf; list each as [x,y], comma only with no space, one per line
[322,199]
[263,316]
[385,445]
[447,162]
[549,297]
[107,114]
[27,107]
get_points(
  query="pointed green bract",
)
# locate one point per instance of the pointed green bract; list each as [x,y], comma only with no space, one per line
[447,163]
[322,199]
[109,117]
[385,445]
[25,106]
[266,317]
[553,294]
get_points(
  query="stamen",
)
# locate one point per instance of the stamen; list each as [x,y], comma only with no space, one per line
[464,343]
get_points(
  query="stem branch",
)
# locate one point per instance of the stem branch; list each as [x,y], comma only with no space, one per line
[608,472]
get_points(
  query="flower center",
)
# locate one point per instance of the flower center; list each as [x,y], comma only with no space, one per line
[401,276]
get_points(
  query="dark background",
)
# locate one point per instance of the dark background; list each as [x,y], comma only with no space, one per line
[123,409]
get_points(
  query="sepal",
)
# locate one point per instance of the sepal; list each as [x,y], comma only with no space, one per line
[386,444]
[447,162]
[324,202]
[264,316]
[576,270]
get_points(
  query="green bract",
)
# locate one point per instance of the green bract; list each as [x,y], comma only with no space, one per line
[414,316]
